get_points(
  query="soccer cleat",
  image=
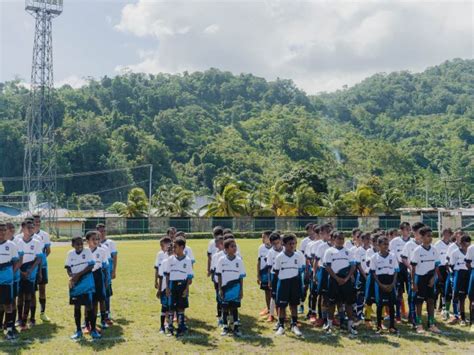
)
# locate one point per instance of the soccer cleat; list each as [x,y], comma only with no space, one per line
[264,312]
[398,320]
[104,325]
[394,331]
[280,331]
[270,318]
[276,326]
[180,332]
[462,323]
[86,329]
[453,321]
[296,331]
[95,334]
[10,336]
[23,327]
[328,329]
[378,330]
[225,331]
[353,331]
[237,332]
[434,329]
[44,317]
[31,323]
[301,309]
[77,335]
[170,330]
[419,329]
[319,322]
[220,322]
[18,323]
[109,322]
[162,330]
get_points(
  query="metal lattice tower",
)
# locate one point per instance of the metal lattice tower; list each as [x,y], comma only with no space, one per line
[39,170]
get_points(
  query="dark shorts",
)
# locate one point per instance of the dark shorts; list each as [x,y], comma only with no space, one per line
[448,286]
[424,292]
[274,282]
[470,289]
[289,292]
[44,276]
[6,294]
[370,290]
[264,279]
[177,300]
[441,283]
[231,295]
[460,284]
[164,301]
[341,293]
[86,299]
[26,287]
[360,283]
[383,297]
[16,288]
[100,293]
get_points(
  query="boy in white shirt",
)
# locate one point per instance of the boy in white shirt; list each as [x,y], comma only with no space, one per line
[277,248]
[79,265]
[458,265]
[219,243]
[230,272]
[179,274]
[217,231]
[424,267]
[470,289]
[262,272]
[442,246]
[160,283]
[289,269]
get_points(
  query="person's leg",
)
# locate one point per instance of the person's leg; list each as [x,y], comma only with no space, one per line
[77,317]
[430,307]
[235,318]
[225,316]
[42,298]
[462,308]
[9,323]
[33,308]
[282,316]
[294,315]
[103,313]
[268,297]
[26,308]
[93,315]
[391,311]
[21,302]
[379,315]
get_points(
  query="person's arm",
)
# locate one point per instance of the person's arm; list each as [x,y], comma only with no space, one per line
[219,285]
[168,291]
[259,280]
[351,272]
[76,277]
[209,259]
[114,271]
[47,250]
[157,278]
[432,280]
[36,262]
[394,283]
[362,271]
[331,273]
[414,287]
[241,288]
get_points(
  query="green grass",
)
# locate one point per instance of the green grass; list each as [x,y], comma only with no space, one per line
[136,311]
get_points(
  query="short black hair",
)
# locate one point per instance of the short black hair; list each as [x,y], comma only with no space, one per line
[228,236]
[374,237]
[308,226]
[75,239]
[355,230]
[326,227]
[228,242]
[164,240]
[447,230]
[382,240]
[180,241]
[10,225]
[170,229]
[417,226]
[465,239]
[274,236]
[90,234]
[316,228]
[36,216]
[424,230]
[3,224]
[337,234]
[392,231]
[217,230]
[220,238]
[227,231]
[267,233]
[365,235]
[180,234]
[404,225]
[288,237]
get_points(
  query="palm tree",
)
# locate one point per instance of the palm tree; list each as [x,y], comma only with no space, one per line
[333,204]
[305,200]
[137,204]
[390,200]
[279,200]
[363,201]
[231,202]
[174,201]
[256,205]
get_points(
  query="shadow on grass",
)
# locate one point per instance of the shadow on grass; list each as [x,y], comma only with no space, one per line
[254,332]
[198,334]
[42,333]
[111,336]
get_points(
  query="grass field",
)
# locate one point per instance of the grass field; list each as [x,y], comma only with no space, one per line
[136,312]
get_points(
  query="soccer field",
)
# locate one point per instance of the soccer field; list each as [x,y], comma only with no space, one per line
[136,312]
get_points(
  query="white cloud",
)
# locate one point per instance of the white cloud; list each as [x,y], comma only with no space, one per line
[72,80]
[320,45]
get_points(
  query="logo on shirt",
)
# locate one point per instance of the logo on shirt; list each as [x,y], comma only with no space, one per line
[184,266]
[347,253]
[236,264]
[7,248]
[296,262]
[83,256]
[390,261]
[97,256]
[32,247]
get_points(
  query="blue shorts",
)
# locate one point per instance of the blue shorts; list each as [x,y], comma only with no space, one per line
[264,279]
[176,300]
[231,297]
[6,294]
[323,278]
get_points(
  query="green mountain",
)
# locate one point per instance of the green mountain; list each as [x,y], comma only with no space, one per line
[400,130]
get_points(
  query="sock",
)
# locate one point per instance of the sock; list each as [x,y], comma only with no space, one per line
[447,305]
[42,302]
[418,320]
[456,309]
[92,318]
[170,319]
[33,311]
[463,316]
[9,321]
[329,322]
[219,311]
[281,321]
[103,316]
[349,323]
[225,315]
[26,308]
[391,312]
[162,318]
[431,321]
[235,315]
[77,317]
[19,310]
[443,303]
[379,316]
[107,305]
[398,307]
[2,312]
[181,320]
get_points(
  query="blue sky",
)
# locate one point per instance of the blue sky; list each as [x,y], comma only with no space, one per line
[321,45]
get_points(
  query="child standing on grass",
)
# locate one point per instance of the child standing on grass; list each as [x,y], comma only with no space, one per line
[289,268]
[179,274]
[340,265]
[79,265]
[9,263]
[384,269]
[101,262]
[458,265]
[160,282]
[217,232]
[442,246]
[262,272]
[277,248]
[424,267]
[215,258]
[470,289]
[230,273]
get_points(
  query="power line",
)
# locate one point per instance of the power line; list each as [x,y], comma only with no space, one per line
[85,173]
[114,188]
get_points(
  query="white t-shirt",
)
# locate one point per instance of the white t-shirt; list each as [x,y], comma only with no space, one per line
[360,257]
[458,260]
[179,269]
[100,258]
[303,244]
[271,256]
[321,250]
[396,247]
[230,270]
[161,273]
[384,265]
[408,250]
[470,256]
[78,262]
[425,259]
[451,249]
[8,254]
[312,248]
[289,266]
[211,247]
[368,256]
[214,260]
[338,259]
[442,248]
[30,250]
[110,244]
[189,253]
[263,251]
[44,237]
[349,244]
[160,257]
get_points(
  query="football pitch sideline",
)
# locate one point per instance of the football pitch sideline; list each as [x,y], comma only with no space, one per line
[136,313]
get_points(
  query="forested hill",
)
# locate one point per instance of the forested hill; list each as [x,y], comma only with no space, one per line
[402,128]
